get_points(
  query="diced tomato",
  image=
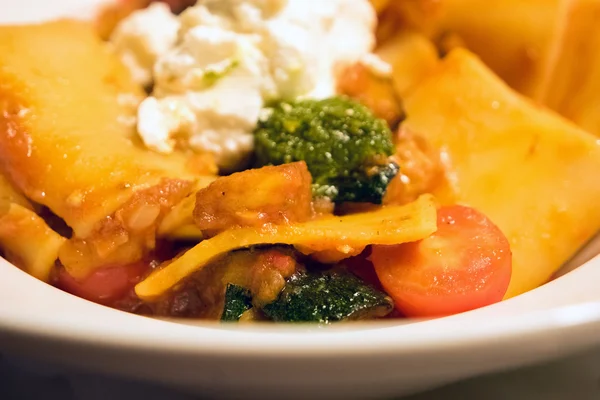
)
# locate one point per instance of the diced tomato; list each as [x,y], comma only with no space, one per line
[362,267]
[104,285]
[465,265]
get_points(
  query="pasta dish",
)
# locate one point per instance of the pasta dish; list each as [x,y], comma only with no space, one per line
[301,160]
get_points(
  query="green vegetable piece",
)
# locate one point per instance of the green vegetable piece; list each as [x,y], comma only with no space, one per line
[346,148]
[365,187]
[237,301]
[327,297]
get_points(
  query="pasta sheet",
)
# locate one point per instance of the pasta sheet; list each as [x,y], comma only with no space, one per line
[67,138]
[534,173]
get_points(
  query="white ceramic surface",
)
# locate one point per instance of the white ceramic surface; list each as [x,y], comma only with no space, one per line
[345,361]
[350,361]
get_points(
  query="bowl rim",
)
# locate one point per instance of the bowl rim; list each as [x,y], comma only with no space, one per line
[118,329]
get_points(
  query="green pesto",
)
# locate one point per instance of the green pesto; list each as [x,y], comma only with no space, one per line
[327,297]
[342,142]
[237,301]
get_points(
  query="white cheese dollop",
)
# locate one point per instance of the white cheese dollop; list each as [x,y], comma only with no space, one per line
[143,37]
[215,66]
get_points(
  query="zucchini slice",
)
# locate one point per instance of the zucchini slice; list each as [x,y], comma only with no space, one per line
[328,297]
[237,302]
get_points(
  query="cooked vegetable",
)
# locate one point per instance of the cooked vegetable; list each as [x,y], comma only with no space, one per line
[273,194]
[327,297]
[388,225]
[362,267]
[376,92]
[366,186]
[279,194]
[237,301]
[465,264]
[530,171]
[178,223]
[103,285]
[422,169]
[340,141]
[262,271]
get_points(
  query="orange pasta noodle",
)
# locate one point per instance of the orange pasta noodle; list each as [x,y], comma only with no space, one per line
[67,141]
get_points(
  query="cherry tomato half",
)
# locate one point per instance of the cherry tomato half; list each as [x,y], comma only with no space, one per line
[464,265]
[104,285]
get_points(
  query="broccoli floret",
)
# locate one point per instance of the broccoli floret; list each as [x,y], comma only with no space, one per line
[345,147]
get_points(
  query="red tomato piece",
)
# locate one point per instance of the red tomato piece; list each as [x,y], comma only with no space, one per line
[104,285]
[465,265]
[362,267]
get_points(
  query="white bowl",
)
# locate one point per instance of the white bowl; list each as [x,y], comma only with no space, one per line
[354,360]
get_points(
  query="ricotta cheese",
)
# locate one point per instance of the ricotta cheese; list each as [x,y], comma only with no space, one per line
[216,65]
[143,37]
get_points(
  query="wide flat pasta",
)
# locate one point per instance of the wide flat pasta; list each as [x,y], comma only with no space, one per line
[25,238]
[512,37]
[571,83]
[10,195]
[28,242]
[530,171]
[388,226]
[412,57]
[68,141]
[66,138]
